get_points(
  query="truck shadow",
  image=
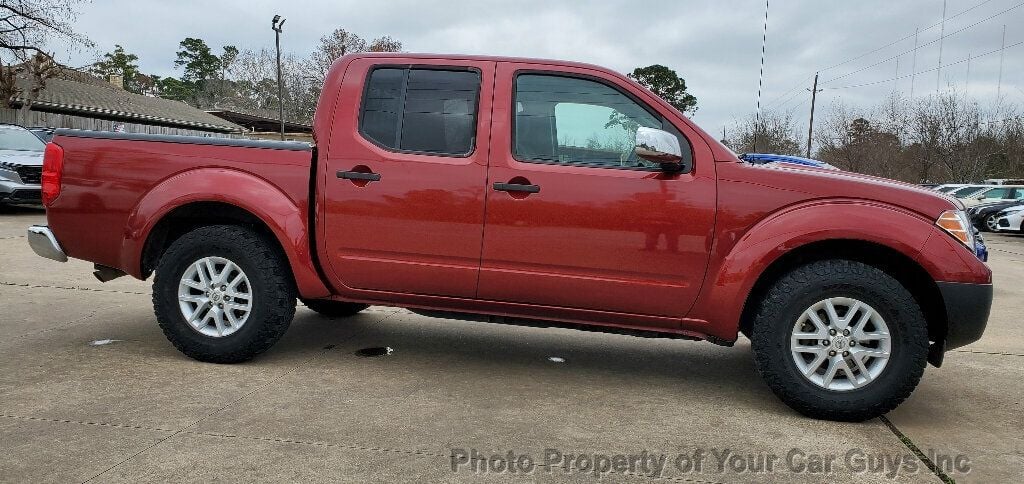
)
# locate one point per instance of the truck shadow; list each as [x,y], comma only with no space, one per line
[699,373]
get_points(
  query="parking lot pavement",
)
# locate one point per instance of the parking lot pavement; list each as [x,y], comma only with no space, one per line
[91,390]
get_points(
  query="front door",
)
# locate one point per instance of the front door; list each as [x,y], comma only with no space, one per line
[403,202]
[574,219]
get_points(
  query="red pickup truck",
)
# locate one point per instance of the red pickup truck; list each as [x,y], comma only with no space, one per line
[529,192]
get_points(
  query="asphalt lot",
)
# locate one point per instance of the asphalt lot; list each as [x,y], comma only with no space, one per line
[91,391]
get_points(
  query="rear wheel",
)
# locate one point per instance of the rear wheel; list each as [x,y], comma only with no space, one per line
[840,340]
[334,309]
[223,294]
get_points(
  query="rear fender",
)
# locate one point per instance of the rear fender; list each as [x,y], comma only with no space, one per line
[284,217]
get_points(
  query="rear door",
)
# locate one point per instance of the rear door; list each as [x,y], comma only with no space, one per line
[403,200]
[574,219]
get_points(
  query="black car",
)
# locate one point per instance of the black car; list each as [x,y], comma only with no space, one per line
[984,216]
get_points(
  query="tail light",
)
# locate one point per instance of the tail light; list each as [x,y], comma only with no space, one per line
[53,166]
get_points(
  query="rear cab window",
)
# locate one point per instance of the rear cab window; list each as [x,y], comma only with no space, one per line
[429,110]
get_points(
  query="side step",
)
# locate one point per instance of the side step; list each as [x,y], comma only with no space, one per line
[543,323]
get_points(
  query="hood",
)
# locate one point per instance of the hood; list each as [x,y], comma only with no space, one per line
[23,158]
[815,183]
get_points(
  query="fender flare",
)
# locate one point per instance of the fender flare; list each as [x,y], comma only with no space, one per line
[286,219]
[728,285]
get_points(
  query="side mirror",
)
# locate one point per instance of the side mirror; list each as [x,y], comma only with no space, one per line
[659,146]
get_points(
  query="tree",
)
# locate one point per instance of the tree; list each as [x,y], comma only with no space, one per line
[25,27]
[119,63]
[666,84]
[775,133]
[385,44]
[339,43]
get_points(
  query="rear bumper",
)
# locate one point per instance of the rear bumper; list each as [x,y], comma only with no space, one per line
[43,243]
[967,310]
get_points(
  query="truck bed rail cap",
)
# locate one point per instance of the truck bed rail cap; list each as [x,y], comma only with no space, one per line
[196,140]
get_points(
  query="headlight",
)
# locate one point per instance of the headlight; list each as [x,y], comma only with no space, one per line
[957,224]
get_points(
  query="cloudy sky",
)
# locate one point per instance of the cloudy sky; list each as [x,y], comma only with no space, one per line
[715,46]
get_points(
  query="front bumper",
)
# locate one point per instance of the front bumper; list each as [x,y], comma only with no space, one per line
[967,309]
[15,192]
[43,243]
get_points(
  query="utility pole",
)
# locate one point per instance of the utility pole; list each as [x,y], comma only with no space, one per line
[760,77]
[810,125]
[277,25]
[967,80]
[913,65]
[942,34]
[1002,48]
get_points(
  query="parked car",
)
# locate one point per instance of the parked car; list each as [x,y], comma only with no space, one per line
[985,215]
[968,191]
[763,158]
[996,193]
[949,187]
[1010,219]
[43,133]
[497,189]
[21,165]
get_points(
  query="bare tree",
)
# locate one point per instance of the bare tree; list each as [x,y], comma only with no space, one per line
[775,133]
[25,27]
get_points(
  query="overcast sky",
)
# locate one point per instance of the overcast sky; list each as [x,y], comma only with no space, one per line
[715,46]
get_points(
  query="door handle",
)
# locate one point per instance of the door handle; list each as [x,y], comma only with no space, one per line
[516,187]
[359,175]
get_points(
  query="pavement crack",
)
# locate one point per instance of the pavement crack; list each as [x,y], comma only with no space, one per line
[997,353]
[84,422]
[917,451]
[72,288]
[184,429]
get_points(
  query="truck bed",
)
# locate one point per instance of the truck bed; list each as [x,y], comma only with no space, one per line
[109,177]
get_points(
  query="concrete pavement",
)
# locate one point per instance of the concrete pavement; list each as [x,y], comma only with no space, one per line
[136,410]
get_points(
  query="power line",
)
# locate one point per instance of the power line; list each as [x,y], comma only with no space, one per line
[961,61]
[901,39]
[925,44]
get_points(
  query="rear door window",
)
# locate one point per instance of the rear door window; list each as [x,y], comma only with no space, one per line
[420,110]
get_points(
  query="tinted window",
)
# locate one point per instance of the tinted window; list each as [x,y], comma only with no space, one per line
[997,193]
[421,110]
[578,121]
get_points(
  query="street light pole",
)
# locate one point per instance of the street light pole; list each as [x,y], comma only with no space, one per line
[277,25]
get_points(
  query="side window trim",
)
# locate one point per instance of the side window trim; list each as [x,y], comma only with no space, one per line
[688,148]
[406,68]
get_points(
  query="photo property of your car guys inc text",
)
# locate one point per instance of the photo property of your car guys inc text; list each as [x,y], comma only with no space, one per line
[511,241]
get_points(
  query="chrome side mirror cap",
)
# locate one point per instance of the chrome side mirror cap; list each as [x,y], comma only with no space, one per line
[659,146]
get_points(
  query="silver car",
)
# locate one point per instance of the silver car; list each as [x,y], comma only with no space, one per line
[21,165]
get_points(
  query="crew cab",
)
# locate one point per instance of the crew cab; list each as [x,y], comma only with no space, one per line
[531,192]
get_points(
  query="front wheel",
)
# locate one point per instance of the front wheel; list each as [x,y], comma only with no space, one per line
[840,340]
[223,294]
[992,223]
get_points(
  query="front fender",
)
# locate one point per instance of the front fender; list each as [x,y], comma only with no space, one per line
[729,282]
[283,216]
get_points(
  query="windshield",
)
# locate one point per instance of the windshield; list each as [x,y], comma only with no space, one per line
[965,191]
[19,139]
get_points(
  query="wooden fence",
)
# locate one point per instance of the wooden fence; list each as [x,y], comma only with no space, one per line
[54,120]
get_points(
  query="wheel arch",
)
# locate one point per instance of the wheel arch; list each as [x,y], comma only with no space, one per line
[197,198]
[903,268]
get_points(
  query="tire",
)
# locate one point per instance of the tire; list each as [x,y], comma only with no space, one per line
[334,309]
[835,283]
[265,280]
[990,224]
